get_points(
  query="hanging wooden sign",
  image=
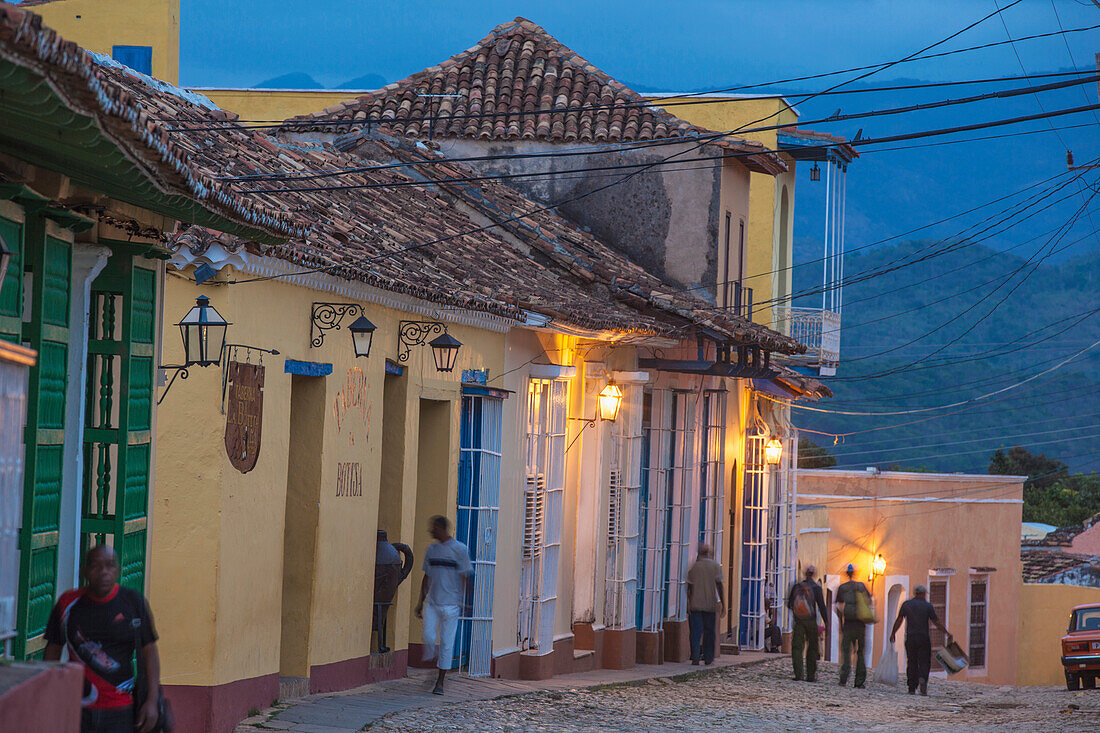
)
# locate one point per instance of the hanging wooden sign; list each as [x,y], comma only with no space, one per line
[244,414]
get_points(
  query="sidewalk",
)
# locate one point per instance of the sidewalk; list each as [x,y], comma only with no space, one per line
[350,711]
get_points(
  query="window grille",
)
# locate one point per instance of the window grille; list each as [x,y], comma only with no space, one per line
[653,510]
[712,471]
[624,490]
[979,589]
[780,560]
[545,481]
[478,509]
[753,548]
[681,463]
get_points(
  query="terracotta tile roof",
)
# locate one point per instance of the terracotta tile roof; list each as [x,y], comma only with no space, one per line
[429,242]
[85,88]
[1041,564]
[508,86]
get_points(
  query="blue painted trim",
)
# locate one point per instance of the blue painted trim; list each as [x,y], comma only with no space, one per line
[395,369]
[478,390]
[307,368]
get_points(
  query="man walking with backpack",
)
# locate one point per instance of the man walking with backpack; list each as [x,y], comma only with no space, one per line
[850,597]
[806,601]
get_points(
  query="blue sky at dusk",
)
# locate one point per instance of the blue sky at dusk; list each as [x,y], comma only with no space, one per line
[695,43]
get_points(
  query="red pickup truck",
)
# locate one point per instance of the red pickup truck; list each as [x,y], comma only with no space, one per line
[1081,647]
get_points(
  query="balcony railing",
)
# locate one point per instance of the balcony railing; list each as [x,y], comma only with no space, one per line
[818,329]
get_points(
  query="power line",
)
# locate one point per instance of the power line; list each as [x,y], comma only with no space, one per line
[947,247]
[651,101]
[686,95]
[939,407]
[526,214]
[313,175]
[1067,227]
[1007,278]
[967,452]
[862,452]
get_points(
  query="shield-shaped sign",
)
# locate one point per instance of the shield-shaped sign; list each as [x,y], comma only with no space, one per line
[244,414]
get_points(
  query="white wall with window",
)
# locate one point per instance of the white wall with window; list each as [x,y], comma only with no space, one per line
[653,510]
[623,514]
[544,484]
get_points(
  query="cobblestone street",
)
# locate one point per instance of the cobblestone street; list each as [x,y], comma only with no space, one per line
[763,697]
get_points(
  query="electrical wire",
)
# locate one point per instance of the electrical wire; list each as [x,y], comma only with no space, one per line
[1067,226]
[873,67]
[708,137]
[1059,365]
[307,174]
[656,101]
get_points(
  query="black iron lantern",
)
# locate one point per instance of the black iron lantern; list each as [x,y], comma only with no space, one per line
[203,331]
[445,349]
[5,258]
[815,173]
[362,333]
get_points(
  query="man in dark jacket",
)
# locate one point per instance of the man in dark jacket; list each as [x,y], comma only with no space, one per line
[917,612]
[854,631]
[806,602]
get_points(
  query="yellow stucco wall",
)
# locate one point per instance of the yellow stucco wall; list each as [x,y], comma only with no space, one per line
[97,25]
[223,531]
[764,223]
[1044,614]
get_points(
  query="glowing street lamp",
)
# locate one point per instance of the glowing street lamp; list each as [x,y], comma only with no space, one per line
[773,451]
[878,566]
[611,399]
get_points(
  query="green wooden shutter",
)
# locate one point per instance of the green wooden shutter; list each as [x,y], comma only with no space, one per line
[49,264]
[118,422]
[11,290]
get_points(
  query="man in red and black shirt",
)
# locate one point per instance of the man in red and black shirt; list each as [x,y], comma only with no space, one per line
[100,624]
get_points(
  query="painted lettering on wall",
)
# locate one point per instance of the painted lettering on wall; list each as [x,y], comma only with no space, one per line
[244,414]
[349,479]
[351,401]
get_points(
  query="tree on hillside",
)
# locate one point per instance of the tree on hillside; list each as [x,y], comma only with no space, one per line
[1041,471]
[1051,494]
[812,455]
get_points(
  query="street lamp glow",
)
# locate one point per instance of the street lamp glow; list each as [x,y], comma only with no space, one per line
[773,451]
[611,399]
[878,565]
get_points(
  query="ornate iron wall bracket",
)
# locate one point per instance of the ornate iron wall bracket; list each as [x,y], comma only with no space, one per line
[415,333]
[328,317]
[180,371]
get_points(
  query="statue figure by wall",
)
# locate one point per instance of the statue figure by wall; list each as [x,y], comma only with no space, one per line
[392,564]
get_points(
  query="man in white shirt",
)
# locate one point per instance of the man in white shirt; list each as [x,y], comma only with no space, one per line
[447,571]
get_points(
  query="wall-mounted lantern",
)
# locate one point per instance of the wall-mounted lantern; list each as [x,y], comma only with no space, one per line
[815,173]
[773,451]
[5,258]
[445,350]
[611,399]
[444,347]
[203,333]
[878,566]
[362,334]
